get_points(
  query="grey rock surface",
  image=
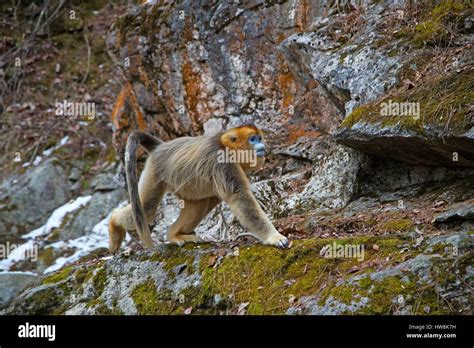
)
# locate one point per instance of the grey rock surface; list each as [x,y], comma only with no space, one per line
[41,189]
[12,283]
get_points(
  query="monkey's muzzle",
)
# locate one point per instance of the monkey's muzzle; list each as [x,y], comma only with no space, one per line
[259,149]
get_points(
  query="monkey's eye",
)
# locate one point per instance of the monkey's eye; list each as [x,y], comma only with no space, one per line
[254,139]
[233,138]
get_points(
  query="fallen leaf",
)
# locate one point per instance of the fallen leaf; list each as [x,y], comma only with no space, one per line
[188,310]
[375,247]
[212,260]
[354,269]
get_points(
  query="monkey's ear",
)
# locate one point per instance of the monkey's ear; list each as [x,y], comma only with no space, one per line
[229,139]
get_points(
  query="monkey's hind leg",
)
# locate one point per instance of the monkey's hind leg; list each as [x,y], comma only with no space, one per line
[182,231]
[116,235]
[121,219]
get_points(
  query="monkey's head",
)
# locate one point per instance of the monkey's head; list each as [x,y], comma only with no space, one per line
[246,146]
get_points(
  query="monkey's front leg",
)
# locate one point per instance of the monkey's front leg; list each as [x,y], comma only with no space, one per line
[247,210]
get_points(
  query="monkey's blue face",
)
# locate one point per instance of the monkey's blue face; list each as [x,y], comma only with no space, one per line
[256,142]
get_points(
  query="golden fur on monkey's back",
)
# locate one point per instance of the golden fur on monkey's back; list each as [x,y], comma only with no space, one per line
[190,168]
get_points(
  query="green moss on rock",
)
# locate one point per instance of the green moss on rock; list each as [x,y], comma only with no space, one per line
[271,279]
[58,276]
[83,275]
[47,256]
[46,301]
[435,28]
[401,225]
[453,95]
[99,280]
[149,302]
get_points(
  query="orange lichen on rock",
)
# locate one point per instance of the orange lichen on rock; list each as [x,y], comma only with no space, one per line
[196,99]
[237,44]
[192,82]
[296,132]
[280,38]
[302,15]
[118,116]
[118,107]
[286,82]
[126,116]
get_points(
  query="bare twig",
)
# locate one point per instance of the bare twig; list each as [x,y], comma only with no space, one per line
[86,39]
[34,153]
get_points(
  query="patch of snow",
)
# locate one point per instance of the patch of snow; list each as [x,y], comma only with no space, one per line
[83,245]
[98,238]
[57,217]
[46,153]
[18,272]
[37,160]
[62,142]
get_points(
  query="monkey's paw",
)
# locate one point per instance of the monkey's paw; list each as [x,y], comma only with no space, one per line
[278,240]
[181,239]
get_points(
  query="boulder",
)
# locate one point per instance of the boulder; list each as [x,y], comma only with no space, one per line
[12,283]
[254,279]
[459,213]
[82,221]
[334,179]
[41,190]
[410,127]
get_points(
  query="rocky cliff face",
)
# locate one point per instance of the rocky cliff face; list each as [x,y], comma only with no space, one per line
[368,111]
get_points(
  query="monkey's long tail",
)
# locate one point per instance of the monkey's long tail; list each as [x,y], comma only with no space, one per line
[149,142]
